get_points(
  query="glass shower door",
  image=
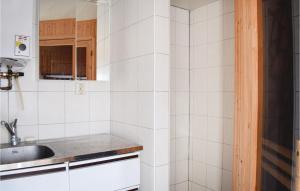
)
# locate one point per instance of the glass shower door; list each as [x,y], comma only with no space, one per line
[279,126]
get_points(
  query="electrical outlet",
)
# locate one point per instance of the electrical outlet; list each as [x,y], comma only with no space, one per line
[80,89]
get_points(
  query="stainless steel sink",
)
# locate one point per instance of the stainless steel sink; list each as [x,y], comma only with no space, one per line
[24,153]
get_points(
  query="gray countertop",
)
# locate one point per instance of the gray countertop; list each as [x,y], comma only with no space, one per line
[76,149]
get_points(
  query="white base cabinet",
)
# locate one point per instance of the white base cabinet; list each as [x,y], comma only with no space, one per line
[36,180]
[118,173]
[113,176]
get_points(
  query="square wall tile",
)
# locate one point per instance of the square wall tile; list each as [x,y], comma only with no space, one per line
[182,34]
[77,129]
[23,106]
[215,129]
[199,103]
[51,131]
[99,106]
[198,150]
[162,8]
[181,171]
[215,9]
[182,16]
[182,126]
[198,127]
[51,85]
[51,112]
[146,109]
[181,57]
[145,29]
[213,178]
[146,138]
[162,178]
[199,15]
[182,80]
[162,35]
[214,154]
[228,131]
[184,186]
[182,149]
[215,30]
[162,146]
[162,111]
[198,173]
[147,178]
[146,9]
[162,72]
[99,127]
[28,132]
[76,108]
[146,73]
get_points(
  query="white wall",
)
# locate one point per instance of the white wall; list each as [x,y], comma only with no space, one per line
[179,99]
[51,108]
[190,4]
[63,9]
[212,96]
[140,83]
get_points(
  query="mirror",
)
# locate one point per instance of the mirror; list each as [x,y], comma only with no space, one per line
[68,39]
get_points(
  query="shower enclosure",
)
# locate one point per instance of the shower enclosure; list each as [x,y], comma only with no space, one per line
[202,96]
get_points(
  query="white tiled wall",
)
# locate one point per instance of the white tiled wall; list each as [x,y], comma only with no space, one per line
[47,109]
[180,87]
[140,83]
[211,96]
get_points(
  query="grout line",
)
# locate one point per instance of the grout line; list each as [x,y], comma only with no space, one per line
[189,71]
[154,93]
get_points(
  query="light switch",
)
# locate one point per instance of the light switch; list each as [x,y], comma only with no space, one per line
[22,45]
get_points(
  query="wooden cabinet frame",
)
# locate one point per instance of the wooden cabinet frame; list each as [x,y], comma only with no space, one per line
[76,33]
[248,95]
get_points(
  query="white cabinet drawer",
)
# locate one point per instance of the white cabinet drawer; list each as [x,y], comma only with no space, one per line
[49,179]
[111,175]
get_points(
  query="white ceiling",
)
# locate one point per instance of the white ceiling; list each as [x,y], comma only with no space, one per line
[190,4]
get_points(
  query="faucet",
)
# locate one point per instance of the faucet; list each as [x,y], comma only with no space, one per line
[12,129]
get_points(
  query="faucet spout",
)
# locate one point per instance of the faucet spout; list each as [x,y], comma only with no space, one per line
[12,129]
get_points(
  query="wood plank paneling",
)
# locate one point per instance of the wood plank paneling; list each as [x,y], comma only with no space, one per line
[57,29]
[86,29]
[248,95]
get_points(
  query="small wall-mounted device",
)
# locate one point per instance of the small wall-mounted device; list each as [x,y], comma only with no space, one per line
[22,45]
[9,74]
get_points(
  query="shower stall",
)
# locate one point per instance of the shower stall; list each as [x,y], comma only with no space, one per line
[203,69]
[202,95]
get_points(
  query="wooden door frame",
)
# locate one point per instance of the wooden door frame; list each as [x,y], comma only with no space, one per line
[248,95]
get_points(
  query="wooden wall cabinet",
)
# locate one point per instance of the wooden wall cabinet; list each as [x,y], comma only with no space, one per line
[68,49]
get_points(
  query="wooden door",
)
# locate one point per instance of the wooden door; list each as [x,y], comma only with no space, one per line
[264,99]
[248,95]
[86,62]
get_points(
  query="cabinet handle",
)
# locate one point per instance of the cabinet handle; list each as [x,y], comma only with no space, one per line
[71,167]
[6,175]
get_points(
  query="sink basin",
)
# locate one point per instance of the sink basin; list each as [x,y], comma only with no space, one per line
[25,153]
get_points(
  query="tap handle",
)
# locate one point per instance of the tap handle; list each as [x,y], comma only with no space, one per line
[5,124]
[13,124]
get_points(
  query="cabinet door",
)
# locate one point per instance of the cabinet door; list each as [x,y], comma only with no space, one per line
[36,179]
[123,174]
